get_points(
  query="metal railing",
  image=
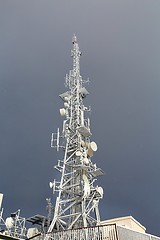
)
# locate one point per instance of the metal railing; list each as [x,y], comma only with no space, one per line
[105,232]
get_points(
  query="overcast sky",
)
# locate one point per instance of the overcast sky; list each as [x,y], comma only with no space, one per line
[120,44]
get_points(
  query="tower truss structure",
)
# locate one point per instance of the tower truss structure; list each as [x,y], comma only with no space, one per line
[77,198]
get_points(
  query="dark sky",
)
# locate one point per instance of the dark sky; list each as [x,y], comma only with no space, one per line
[120,44]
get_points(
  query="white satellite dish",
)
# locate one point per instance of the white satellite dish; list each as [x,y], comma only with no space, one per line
[92,147]
[62,112]
[86,161]
[78,153]
[9,222]
[100,191]
[66,105]
[32,232]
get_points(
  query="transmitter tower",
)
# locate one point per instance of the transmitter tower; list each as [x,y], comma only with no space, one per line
[77,195]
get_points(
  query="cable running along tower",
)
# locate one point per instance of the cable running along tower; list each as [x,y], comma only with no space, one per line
[77,198]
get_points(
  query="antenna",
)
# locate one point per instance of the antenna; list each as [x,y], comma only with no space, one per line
[77,198]
[1,199]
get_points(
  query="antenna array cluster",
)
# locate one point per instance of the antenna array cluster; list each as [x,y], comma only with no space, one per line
[77,197]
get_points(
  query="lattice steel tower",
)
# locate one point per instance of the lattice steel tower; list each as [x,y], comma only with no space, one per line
[77,201]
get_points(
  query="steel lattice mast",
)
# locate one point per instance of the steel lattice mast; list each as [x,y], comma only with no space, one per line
[77,201]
